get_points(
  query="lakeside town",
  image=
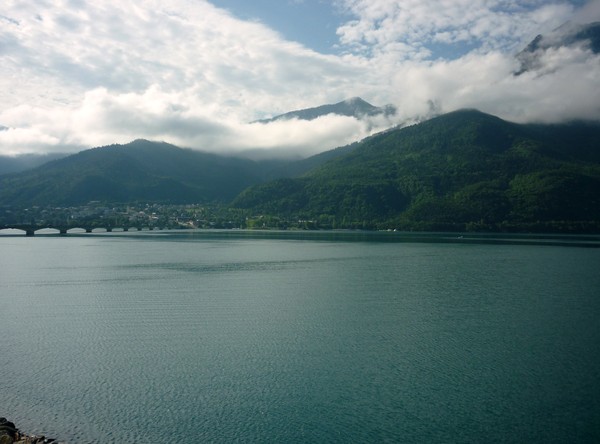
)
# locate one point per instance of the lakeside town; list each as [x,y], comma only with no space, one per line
[101,215]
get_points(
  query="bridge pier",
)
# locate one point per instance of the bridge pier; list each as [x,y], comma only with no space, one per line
[29,232]
[88,230]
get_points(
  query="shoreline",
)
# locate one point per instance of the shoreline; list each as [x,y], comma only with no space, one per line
[10,434]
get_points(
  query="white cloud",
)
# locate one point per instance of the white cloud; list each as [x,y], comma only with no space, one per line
[20,140]
[185,71]
[589,13]
[403,38]
[420,25]
[77,74]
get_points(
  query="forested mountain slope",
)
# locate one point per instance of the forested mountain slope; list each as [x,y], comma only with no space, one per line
[138,171]
[461,170]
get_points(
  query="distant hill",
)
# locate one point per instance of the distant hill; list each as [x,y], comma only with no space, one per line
[141,170]
[566,35]
[462,170]
[15,164]
[354,107]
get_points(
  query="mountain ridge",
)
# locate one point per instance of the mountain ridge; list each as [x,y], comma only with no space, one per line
[461,169]
[457,171]
[353,107]
[140,170]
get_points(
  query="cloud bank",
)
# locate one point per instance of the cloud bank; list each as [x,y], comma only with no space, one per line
[77,74]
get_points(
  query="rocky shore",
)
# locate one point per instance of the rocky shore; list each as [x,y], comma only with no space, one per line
[10,434]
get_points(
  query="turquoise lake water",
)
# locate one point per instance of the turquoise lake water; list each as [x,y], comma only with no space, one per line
[201,337]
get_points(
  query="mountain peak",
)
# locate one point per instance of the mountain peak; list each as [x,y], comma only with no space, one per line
[353,107]
[568,34]
[356,100]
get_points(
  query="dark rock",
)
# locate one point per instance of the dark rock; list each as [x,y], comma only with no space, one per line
[9,434]
[8,431]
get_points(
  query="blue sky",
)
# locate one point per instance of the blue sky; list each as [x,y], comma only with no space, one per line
[77,74]
[311,22]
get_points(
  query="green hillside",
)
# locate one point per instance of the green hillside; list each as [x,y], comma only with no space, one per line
[139,171]
[462,170]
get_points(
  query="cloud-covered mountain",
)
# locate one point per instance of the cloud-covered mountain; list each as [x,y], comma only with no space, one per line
[584,36]
[461,170]
[354,107]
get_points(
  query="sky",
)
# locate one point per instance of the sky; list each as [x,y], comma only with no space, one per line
[76,74]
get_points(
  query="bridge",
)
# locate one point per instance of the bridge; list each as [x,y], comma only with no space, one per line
[30,229]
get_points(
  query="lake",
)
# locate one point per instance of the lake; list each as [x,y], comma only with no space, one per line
[225,337]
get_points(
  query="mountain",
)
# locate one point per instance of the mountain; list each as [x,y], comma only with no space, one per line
[15,164]
[354,107]
[462,170]
[140,170]
[568,34]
